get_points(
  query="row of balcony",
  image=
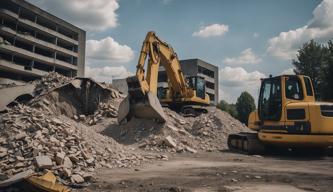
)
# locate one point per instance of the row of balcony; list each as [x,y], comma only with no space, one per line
[36,26]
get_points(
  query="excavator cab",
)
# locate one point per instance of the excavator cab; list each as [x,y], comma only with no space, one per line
[198,84]
[270,99]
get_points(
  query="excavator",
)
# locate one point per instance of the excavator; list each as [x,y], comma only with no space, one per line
[287,116]
[184,94]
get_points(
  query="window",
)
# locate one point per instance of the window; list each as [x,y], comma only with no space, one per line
[201,88]
[294,88]
[162,76]
[205,71]
[308,86]
[270,100]
[210,85]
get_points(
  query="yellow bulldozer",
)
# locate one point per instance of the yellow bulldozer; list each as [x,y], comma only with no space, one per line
[186,95]
[287,115]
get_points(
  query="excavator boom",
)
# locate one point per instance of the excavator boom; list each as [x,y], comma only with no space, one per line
[142,98]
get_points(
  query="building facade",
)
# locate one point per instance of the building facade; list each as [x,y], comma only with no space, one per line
[34,42]
[197,67]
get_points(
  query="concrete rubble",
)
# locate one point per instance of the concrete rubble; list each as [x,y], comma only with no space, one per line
[70,128]
[207,132]
[41,136]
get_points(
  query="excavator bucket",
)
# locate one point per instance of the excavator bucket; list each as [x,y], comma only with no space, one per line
[140,105]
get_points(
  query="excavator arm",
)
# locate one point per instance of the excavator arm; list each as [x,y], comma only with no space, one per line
[142,98]
[160,53]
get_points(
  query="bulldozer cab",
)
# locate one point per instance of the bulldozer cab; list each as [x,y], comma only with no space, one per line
[198,84]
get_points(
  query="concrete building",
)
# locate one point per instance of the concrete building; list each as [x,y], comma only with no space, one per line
[34,42]
[197,67]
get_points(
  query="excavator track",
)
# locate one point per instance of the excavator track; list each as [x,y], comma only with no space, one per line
[193,110]
[247,143]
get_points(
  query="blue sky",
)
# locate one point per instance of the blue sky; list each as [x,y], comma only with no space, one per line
[176,20]
[247,39]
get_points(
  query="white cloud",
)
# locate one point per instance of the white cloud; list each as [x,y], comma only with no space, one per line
[94,15]
[212,30]
[107,74]
[320,28]
[255,35]
[108,49]
[246,57]
[289,71]
[233,81]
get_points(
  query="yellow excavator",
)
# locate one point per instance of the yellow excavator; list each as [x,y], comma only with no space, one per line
[287,115]
[184,94]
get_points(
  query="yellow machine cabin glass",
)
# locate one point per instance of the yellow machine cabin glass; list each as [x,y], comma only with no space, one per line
[294,88]
[270,100]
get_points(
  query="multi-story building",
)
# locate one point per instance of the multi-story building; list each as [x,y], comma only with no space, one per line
[34,42]
[197,67]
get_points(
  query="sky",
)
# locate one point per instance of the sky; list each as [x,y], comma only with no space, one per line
[246,39]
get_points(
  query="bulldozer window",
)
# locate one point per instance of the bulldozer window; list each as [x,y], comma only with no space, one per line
[294,89]
[270,100]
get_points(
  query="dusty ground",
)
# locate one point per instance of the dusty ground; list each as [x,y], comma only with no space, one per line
[222,171]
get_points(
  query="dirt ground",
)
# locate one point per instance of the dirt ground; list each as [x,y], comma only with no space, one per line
[222,171]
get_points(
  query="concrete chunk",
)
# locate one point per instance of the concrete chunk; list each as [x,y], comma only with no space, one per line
[43,162]
[170,142]
[59,158]
[77,178]
[67,172]
[3,152]
[20,136]
[189,149]
[67,163]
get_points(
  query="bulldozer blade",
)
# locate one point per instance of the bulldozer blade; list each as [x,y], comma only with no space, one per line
[148,108]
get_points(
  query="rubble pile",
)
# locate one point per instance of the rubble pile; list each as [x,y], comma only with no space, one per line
[212,129]
[105,110]
[207,132]
[70,127]
[81,99]
[33,139]
[53,132]
[50,81]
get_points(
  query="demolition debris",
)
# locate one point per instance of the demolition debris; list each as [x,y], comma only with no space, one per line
[70,128]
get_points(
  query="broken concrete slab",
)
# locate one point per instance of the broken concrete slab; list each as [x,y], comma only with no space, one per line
[169,141]
[59,158]
[67,163]
[76,178]
[189,149]
[16,178]
[43,162]
[19,93]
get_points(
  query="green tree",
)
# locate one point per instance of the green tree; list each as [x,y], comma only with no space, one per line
[310,59]
[327,74]
[245,105]
[233,111]
[223,105]
[229,108]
